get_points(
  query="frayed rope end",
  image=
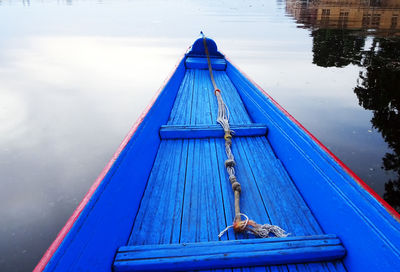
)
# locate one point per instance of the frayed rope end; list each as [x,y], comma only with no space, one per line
[250,226]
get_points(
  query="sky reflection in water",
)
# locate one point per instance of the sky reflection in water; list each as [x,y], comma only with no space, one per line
[75,75]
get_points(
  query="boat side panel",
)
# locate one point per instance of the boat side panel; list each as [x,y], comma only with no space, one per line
[106,221]
[370,234]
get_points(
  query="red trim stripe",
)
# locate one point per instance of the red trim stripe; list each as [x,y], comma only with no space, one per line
[75,215]
[359,181]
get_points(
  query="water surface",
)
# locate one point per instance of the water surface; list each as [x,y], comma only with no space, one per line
[75,75]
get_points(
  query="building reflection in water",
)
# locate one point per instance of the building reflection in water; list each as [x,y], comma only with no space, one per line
[348,14]
[340,30]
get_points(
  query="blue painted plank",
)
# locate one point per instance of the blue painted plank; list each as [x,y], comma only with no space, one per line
[234,260]
[210,131]
[332,195]
[237,111]
[182,106]
[285,205]
[162,201]
[222,247]
[200,104]
[226,254]
[202,216]
[331,239]
[201,63]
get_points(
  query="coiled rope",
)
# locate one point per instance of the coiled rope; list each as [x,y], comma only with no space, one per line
[238,225]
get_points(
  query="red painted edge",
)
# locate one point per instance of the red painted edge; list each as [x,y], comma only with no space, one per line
[75,215]
[359,181]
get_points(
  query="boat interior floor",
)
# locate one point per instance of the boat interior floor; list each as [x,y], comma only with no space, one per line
[189,198]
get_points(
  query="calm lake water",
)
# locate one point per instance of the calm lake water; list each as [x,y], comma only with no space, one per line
[75,75]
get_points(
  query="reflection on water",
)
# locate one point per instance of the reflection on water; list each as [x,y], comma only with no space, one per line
[340,30]
[336,47]
[379,15]
[378,90]
[74,76]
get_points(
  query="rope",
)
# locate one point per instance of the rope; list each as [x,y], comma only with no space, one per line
[238,225]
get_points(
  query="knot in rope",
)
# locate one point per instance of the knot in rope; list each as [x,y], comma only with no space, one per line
[228,135]
[236,186]
[230,163]
[232,179]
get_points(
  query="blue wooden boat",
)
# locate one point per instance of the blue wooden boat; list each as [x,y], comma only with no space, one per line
[164,197]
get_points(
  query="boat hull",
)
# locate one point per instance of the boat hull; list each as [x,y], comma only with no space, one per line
[333,199]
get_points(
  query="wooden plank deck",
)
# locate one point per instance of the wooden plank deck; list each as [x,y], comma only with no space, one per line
[188,196]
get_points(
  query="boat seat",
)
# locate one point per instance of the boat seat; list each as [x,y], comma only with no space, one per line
[201,63]
[210,131]
[229,254]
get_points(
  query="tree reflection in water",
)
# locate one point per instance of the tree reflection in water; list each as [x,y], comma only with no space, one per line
[378,87]
[336,47]
[378,90]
